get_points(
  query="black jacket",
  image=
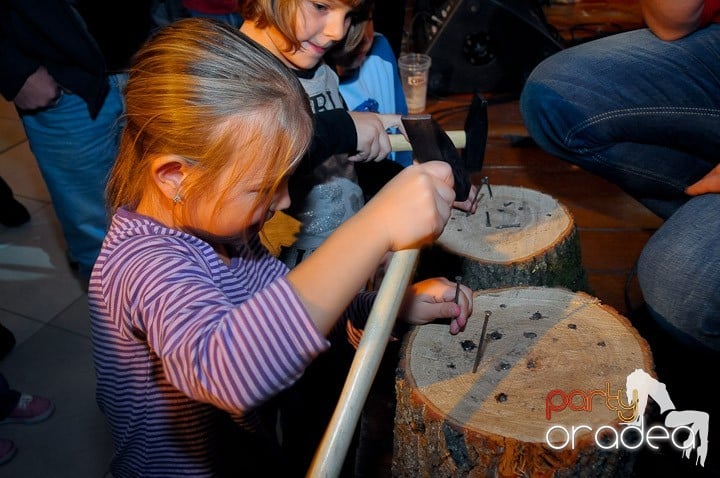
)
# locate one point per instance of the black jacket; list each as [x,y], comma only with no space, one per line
[79,46]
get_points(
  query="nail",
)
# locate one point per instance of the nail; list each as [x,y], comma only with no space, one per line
[457,288]
[475,200]
[487,219]
[482,341]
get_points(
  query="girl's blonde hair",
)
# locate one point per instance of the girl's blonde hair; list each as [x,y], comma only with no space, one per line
[281,15]
[205,92]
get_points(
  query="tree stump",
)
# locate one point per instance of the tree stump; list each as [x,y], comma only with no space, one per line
[451,422]
[517,237]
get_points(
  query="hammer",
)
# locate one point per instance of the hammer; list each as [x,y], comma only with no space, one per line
[428,142]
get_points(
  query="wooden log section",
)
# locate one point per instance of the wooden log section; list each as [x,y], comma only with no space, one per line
[451,422]
[517,237]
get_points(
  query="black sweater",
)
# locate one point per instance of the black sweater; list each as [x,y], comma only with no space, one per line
[78,51]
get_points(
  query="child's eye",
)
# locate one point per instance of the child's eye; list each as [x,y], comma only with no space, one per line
[321,7]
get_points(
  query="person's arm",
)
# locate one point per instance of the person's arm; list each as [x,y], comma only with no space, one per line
[43,43]
[361,135]
[235,356]
[334,133]
[408,212]
[672,19]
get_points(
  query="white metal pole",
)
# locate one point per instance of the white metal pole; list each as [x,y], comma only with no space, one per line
[330,456]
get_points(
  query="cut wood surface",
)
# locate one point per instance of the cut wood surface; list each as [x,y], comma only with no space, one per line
[518,236]
[452,422]
[514,225]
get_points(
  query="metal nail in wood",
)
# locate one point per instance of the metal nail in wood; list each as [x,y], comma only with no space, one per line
[476,199]
[486,181]
[457,288]
[479,354]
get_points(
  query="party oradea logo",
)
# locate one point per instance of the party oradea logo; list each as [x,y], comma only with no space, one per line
[684,430]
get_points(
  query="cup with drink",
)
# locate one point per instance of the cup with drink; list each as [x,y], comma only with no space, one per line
[414,69]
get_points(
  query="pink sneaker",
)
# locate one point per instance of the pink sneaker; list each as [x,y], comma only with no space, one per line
[7,450]
[30,409]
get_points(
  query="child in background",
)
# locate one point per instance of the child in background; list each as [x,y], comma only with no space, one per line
[324,190]
[196,326]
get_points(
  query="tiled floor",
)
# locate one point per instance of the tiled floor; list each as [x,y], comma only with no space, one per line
[44,305]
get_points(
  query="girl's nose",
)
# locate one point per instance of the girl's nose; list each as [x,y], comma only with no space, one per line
[282,197]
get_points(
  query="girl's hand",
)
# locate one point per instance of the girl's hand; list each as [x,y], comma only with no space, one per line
[412,208]
[433,299]
[468,205]
[373,140]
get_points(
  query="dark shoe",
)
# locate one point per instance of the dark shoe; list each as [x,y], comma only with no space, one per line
[12,212]
[7,450]
[30,409]
[7,341]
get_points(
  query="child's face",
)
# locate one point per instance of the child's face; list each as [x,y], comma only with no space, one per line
[318,26]
[227,216]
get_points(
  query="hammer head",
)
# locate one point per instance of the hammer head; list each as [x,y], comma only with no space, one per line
[476,133]
[429,142]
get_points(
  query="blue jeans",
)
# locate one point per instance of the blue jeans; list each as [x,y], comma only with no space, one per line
[645,114]
[679,272]
[75,154]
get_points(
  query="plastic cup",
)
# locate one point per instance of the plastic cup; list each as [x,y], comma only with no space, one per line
[414,69]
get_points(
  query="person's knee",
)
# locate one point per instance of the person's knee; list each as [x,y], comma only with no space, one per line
[678,273]
[535,107]
[652,270]
[546,108]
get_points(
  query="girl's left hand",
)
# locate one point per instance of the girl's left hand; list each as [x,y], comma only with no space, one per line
[469,205]
[433,299]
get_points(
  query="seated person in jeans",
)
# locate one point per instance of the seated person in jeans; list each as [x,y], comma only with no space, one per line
[642,110]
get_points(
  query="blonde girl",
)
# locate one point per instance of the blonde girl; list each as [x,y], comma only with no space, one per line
[196,326]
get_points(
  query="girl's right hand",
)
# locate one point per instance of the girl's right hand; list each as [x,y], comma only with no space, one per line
[413,208]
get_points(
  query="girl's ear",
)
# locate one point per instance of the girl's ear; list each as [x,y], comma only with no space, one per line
[168,172]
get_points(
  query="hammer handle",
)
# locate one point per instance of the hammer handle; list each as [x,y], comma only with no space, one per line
[399,143]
